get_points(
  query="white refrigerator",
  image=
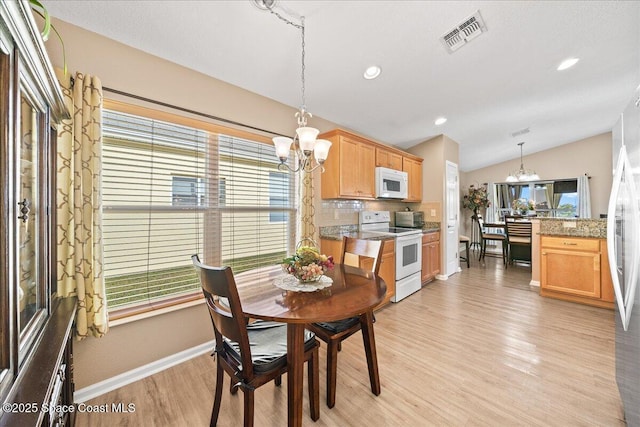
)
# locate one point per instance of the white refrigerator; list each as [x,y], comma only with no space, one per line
[623,245]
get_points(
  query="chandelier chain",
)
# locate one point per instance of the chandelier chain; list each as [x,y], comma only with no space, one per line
[303,108]
[304,102]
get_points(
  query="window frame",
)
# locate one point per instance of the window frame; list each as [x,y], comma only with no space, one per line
[122,314]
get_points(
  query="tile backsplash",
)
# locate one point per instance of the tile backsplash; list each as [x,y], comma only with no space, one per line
[345,212]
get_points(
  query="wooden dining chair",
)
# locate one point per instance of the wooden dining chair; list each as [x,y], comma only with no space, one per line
[252,354]
[365,254]
[486,236]
[519,240]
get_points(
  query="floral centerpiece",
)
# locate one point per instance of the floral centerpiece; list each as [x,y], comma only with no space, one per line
[307,264]
[476,198]
[523,205]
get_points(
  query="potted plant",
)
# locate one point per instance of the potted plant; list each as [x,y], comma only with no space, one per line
[476,198]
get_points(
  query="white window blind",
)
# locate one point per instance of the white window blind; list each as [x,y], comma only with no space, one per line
[170,191]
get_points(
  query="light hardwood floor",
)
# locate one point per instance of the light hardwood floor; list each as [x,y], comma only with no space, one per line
[479,349]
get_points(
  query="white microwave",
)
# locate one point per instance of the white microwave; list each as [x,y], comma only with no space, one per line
[391,184]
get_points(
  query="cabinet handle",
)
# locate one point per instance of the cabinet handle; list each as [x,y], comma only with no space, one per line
[569,244]
[544,253]
[24,210]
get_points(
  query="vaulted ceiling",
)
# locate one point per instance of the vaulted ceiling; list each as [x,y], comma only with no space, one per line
[503,81]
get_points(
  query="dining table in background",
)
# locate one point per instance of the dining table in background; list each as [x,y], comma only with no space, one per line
[354,292]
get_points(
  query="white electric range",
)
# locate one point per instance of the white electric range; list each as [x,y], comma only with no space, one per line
[408,250]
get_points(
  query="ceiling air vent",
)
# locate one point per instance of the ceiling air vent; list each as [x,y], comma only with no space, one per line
[520,132]
[468,30]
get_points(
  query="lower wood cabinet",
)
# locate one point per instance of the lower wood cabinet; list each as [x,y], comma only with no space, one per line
[576,269]
[388,269]
[430,256]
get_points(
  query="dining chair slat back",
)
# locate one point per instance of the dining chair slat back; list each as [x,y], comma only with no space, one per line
[486,236]
[519,240]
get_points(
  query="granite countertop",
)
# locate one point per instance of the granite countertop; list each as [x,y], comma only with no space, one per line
[430,227]
[337,232]
[356,234]
[574,227]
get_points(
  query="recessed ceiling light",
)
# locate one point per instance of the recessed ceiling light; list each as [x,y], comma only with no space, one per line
[568,63]
[440,121]
[372,72]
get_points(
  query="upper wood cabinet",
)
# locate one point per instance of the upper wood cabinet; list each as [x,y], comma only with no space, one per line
[414,169]
[350,167]
[388,159]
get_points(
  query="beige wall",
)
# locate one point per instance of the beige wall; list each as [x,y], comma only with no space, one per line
[120,67]
[590,155]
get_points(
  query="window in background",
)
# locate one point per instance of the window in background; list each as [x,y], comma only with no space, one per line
[556,198]
[187,191]
[565,198]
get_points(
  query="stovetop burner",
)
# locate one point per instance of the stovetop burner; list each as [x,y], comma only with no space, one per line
[379,221]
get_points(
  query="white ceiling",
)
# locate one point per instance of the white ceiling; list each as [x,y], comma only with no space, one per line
[497,84]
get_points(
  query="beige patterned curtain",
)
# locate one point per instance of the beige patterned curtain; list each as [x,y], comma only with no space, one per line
[79,203]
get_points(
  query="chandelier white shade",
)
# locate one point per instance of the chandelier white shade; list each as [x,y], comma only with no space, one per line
[523,174]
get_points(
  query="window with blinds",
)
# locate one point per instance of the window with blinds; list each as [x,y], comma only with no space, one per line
[171,191]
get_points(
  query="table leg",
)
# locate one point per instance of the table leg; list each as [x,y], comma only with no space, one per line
[295,374]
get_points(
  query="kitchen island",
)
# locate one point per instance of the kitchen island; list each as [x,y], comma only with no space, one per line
[572,261]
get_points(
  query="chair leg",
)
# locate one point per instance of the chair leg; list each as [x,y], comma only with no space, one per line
[218,394]
[366,321]
[466,248]
[332,372]
[248,407]
[278,380]
[314,385]
[505,254]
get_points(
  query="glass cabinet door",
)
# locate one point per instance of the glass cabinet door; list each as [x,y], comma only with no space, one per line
[30,297]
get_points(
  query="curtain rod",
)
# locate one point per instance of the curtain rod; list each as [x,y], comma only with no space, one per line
[187,110]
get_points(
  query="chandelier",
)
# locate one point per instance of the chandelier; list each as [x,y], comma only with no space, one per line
[311,153]
[522,174]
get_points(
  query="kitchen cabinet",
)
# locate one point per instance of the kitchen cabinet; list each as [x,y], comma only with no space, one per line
[349,171]
[388,269]
[388,159]
[35,323]
[576,269]
[430,256]
[414,170]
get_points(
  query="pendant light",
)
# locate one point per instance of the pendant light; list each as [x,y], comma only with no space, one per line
[522,174]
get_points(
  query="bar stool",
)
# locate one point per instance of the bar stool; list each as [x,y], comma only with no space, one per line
[465,240]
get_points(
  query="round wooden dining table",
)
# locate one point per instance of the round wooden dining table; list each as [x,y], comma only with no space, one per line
[354,292]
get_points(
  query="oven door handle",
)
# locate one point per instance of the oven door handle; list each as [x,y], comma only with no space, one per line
[409,238]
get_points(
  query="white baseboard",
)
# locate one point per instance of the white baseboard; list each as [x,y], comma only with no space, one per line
[534,284]
[95,390]
[442,277]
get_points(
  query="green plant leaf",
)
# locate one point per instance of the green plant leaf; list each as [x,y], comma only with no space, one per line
[42,11]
